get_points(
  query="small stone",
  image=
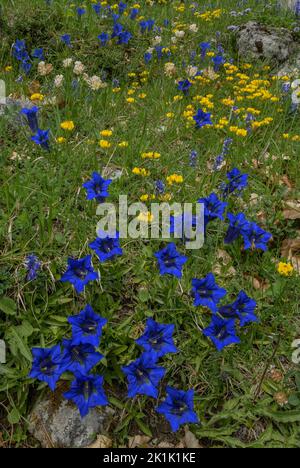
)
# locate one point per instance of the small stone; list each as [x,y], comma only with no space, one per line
[55,422]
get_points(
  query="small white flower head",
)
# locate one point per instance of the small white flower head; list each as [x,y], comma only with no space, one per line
[179,34]
[193,28]
[295,84]
[67,62]
[170,69]
[44,68]
[78,68]
[58,81]
[192,71]
[157,40]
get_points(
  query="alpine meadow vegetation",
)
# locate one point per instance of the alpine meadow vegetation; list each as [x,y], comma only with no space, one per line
[153,101]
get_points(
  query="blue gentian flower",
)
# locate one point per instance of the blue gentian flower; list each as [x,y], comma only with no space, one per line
[134,13]
[122,7]
[26,66]
[66,39]
[170,261]
[218,61]
[117,29]
[87,392]
[178,408]
[237,182]
[42,138]
[213,208]
[158,338]
[147,57]
[144,375]
[80,11]
[204,46]
[238,226]
[221,332]
[124,37]
[31,115]
[184,86]
[79,273]
[33,265]
[256,237]
[193,158]
[146,25]
[47,365]
[79,357]
[207,293]
[38,54]
[202,118]
[97,188]
[160,187]
[97,8]
[243,309]
[103,38]
[106,247]
[87,327]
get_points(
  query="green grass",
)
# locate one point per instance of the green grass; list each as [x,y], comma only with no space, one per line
[43,210]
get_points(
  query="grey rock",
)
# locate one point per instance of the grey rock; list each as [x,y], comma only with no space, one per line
[289,4]
[59,424]
[257,41]
[291,67]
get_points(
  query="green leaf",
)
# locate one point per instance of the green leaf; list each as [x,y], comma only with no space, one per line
[14,416]
[17,342]
[8,306]
[145,429]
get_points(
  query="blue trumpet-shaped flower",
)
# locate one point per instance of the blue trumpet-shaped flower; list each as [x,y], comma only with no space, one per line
[243,309]
[158,338]
[106,247]
[170,261]
[178,408]
[79,357]
[87,392]
[87,327]
[79,273]
[97,188]
[31,115]
[207,293]
[222,332]
[47,365]
[202,118]
[144,375]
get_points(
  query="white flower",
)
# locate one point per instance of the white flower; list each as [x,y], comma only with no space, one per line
[193,28]
[44,68]
[296,97]
[58,81]
[179,34]
[96,83]
[67,62]
[156,40]
[78,68]
[295,84]
[170,69]
[192,71]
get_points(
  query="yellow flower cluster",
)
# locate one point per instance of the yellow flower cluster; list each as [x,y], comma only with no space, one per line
[209,15]
[151,155]
[287,136]
[140,171]
[174,179]
[68,125]
[285,269]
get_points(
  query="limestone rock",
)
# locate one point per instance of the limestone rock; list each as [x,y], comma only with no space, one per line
[58,424]
[257,41]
